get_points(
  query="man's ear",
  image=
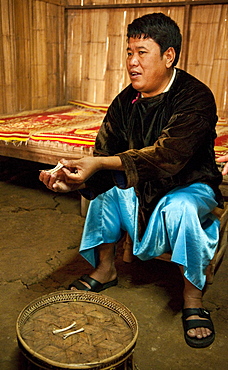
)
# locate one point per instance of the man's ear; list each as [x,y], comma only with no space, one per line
[170,55]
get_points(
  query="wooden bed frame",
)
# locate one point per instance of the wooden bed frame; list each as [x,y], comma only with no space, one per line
[41,153]
[47,135]
[50,150]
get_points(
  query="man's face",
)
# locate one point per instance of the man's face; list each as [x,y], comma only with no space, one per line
[148,70]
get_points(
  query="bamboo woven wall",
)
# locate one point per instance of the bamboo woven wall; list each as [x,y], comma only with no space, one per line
[35,73]
[208,51]
[31,54]
[96,55]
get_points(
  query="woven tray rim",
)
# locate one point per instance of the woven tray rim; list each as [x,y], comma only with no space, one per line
[78,296]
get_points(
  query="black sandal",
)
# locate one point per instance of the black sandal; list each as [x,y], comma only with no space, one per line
[95,286]
[197,323]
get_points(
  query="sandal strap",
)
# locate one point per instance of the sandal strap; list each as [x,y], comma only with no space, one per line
[193,324]
[93,283]
[78,285]
[201,312]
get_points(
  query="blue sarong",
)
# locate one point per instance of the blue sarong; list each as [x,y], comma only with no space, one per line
[182,223]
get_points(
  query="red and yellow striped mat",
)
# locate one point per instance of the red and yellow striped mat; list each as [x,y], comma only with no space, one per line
[75,124]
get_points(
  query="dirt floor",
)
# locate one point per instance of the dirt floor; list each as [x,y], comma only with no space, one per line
[40,237]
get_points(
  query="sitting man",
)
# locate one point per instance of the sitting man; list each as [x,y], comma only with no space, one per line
[153,173]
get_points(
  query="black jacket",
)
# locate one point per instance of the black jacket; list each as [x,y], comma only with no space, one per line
[163,141]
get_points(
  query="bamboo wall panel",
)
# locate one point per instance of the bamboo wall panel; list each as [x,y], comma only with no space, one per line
[55,55]
[7,58]
[31,55]
[22,28]
[36,71]
[39,55]
[48,55]
[74,2]
[96,55]
[96,71]
[56,2]
[208,51]
[219,74]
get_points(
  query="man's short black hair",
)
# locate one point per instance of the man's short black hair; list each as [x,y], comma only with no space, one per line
[159,27]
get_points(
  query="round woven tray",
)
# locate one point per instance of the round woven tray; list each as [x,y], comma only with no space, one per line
[109,336]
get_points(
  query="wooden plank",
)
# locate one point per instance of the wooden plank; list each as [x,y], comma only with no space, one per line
[62,3]
[23,53]
[40,153]
[8,56]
